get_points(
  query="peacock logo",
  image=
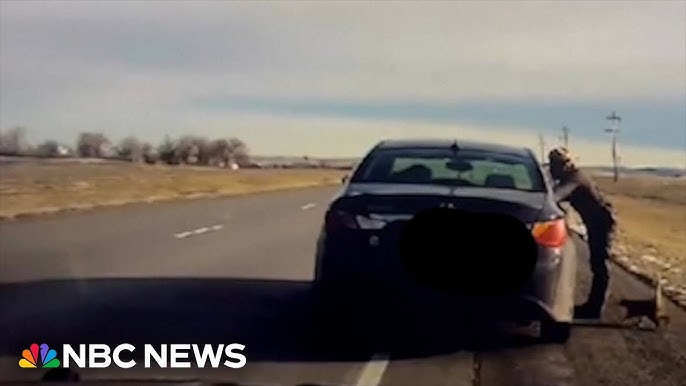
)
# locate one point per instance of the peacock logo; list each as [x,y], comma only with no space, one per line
[32,359]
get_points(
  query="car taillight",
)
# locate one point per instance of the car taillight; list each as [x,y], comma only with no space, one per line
[338,219]
[550,233]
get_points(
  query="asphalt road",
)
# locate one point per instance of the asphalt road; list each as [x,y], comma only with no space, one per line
[238,270]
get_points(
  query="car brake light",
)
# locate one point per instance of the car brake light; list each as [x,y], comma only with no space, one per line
[338,219]
[550,233]
[370,222]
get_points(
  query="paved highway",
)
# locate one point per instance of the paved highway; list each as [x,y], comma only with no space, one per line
[238,270]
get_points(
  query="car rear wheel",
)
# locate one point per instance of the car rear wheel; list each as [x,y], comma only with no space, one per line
[555,332]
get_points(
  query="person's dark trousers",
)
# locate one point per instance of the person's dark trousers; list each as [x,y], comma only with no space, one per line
[599,245]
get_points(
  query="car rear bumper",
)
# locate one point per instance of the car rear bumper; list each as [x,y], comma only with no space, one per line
[376,274]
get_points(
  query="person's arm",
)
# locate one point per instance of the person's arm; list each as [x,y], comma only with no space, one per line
[563,190]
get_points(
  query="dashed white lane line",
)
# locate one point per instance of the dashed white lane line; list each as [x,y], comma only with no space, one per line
[373,371]
[308,206]
[198,231]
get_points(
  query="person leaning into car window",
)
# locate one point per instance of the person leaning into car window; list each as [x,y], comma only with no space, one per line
[576,187]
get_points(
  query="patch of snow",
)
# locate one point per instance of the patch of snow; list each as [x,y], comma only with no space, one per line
[623,259]
[650,258]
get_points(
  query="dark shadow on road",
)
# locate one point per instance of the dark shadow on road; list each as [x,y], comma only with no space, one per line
[273,319]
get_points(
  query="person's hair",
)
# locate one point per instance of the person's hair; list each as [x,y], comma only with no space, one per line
[561,162]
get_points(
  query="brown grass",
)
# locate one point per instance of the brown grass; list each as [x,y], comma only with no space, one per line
[651,215]
[30,188]
[663,189]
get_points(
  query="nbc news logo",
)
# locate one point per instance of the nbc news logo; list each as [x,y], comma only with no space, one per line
[165,356]
[39,357]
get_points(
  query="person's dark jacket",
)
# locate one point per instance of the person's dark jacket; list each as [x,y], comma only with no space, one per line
[582,193]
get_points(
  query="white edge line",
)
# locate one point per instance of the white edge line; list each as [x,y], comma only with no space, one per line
[199,231]
[373,371]
[308,206]
[202,230]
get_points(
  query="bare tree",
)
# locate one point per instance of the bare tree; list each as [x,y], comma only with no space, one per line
[48,148]
[166,151]
[92,144]
[204,150]
[185,150]
[132,149]
[198,150]
[13,141]
[239,151]
[220,152]
[193,150]
[149,154]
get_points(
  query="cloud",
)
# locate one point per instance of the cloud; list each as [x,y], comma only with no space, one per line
[428,51]
[139,66]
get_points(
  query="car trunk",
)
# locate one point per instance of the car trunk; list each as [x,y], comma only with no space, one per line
[401,202]
[438,232]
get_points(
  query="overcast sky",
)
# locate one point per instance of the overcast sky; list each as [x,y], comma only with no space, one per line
[326,78]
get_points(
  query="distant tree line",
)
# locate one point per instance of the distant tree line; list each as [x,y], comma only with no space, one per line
[189,149]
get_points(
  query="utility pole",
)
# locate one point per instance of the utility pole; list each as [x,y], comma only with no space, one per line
[541,145]
[565,137]
[615,120]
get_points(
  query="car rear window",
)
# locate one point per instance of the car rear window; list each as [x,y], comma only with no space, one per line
[455,168]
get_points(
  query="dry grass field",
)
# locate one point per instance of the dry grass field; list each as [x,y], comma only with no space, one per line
[38,188]
[651,233]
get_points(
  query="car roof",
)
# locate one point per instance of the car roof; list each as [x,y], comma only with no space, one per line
[433,143]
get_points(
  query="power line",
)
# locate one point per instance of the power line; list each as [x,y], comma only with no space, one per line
[614,129]
[565,136]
